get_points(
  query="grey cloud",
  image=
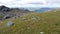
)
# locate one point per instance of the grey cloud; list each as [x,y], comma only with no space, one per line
[37,3]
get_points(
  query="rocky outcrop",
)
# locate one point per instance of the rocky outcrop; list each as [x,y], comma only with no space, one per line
[11,12]
[4,9]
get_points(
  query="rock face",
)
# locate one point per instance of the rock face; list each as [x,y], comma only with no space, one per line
[4,9]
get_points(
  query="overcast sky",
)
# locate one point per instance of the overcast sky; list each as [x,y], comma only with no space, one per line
[30,3]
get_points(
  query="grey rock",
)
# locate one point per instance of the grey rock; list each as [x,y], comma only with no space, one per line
[10,23]
[7,16]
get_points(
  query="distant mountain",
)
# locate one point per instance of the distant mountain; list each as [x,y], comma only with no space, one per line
[40,9]
[43,9]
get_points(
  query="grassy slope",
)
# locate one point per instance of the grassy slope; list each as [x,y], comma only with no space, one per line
[49,23]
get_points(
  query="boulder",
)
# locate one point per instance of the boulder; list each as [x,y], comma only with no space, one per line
[7,16]
[10,23]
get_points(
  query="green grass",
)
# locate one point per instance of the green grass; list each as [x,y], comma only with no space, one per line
[49,23]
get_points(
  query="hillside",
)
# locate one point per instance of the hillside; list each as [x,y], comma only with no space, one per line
[6,12]
[33,23]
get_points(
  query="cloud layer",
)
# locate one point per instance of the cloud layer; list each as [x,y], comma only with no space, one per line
[30,3]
